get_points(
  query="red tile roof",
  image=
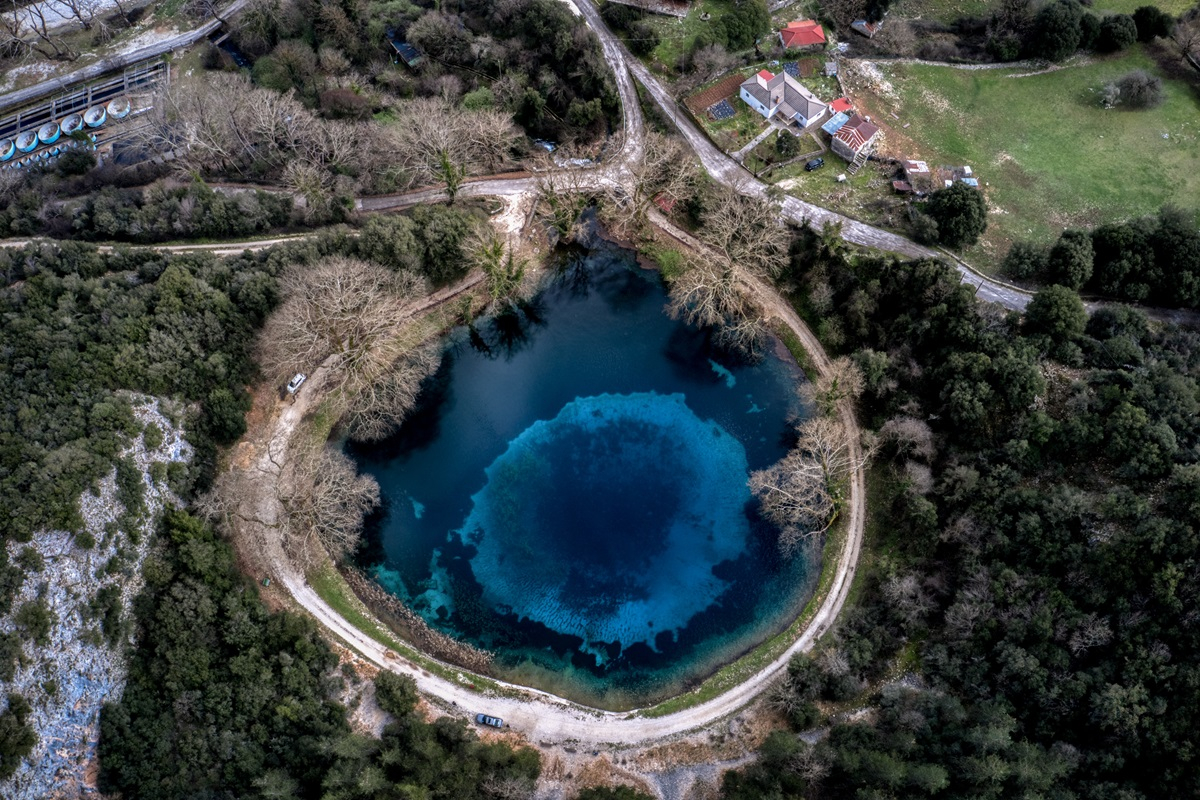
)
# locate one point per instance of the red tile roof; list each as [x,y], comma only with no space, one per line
[840,105]
[802,33]
[766,74]
[856,132]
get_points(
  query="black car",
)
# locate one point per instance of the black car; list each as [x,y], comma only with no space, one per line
[816,163]
[494,722]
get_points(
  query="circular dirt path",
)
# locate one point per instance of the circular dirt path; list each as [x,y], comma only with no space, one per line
[540,716]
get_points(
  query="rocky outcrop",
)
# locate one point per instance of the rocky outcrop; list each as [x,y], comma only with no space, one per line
[87,581]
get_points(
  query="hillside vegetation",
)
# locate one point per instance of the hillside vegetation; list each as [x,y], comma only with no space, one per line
[1038,581]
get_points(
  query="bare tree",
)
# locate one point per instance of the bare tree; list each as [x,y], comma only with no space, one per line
[432,134]
[801,493]
[708,63]
[218,123]
[84,11]
[909,437]
[810,764]
[662,167]
[200,9]
[343,313]
[1093,631]
[25,29]
[707,294]
[907,598]
[565,189]
[1187,37]
[841,382]
[746,232]
[312,183]
[325,498]
[377,410]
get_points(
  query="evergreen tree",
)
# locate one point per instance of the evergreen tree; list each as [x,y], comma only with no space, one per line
[960,212]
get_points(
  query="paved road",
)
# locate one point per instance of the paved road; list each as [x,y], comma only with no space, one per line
[727,171]
[119,61]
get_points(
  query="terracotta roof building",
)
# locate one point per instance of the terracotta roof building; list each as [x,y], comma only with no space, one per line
[854,137]
[802,33]
[840,105]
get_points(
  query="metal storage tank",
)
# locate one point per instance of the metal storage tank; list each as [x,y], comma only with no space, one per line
[7,148]
[49,133]
[72,124]
[26,141]
[95,116]
[118,107]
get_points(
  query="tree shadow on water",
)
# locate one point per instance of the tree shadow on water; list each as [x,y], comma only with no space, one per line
[510,331]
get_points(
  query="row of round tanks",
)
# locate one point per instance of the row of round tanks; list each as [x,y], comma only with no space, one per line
[48,134]
[48,154]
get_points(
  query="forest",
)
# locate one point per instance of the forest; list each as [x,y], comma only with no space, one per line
[1029,627]
[533,59]
[83,329]
[226,699]
[1153,260]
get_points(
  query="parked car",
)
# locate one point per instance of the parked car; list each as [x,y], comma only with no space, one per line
[492,722]
[816,163]
[296,382]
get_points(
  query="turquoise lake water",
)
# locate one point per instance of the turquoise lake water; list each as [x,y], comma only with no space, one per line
[571,495]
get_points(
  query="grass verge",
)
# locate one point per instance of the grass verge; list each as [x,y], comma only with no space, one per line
[331,587]
[757,659]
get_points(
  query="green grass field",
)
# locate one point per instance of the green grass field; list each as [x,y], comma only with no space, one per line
[1052,157]
[949,10]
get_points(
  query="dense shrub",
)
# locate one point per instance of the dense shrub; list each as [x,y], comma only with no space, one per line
[1140,89]
[960,213]
[1117,31]
[740,27]
[1152,22]
[139,321]
[16,736]
[1069,262]
[1056,312]
[1051,501]
[225,699]
[1151,259]
[1025,261]
[160,212]
[1056,30]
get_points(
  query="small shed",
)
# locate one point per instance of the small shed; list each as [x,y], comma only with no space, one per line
[665,202]
[902,187]
[867,29]
[841,105]
[407,53]
[830,69]
[835,124]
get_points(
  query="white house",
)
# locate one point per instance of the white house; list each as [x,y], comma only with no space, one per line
[782,97]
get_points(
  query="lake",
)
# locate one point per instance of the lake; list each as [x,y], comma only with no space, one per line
[570,493]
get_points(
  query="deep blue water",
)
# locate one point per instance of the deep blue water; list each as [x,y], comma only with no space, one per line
[570,493]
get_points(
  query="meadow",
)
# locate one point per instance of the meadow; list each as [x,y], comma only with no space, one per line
[1050,155]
